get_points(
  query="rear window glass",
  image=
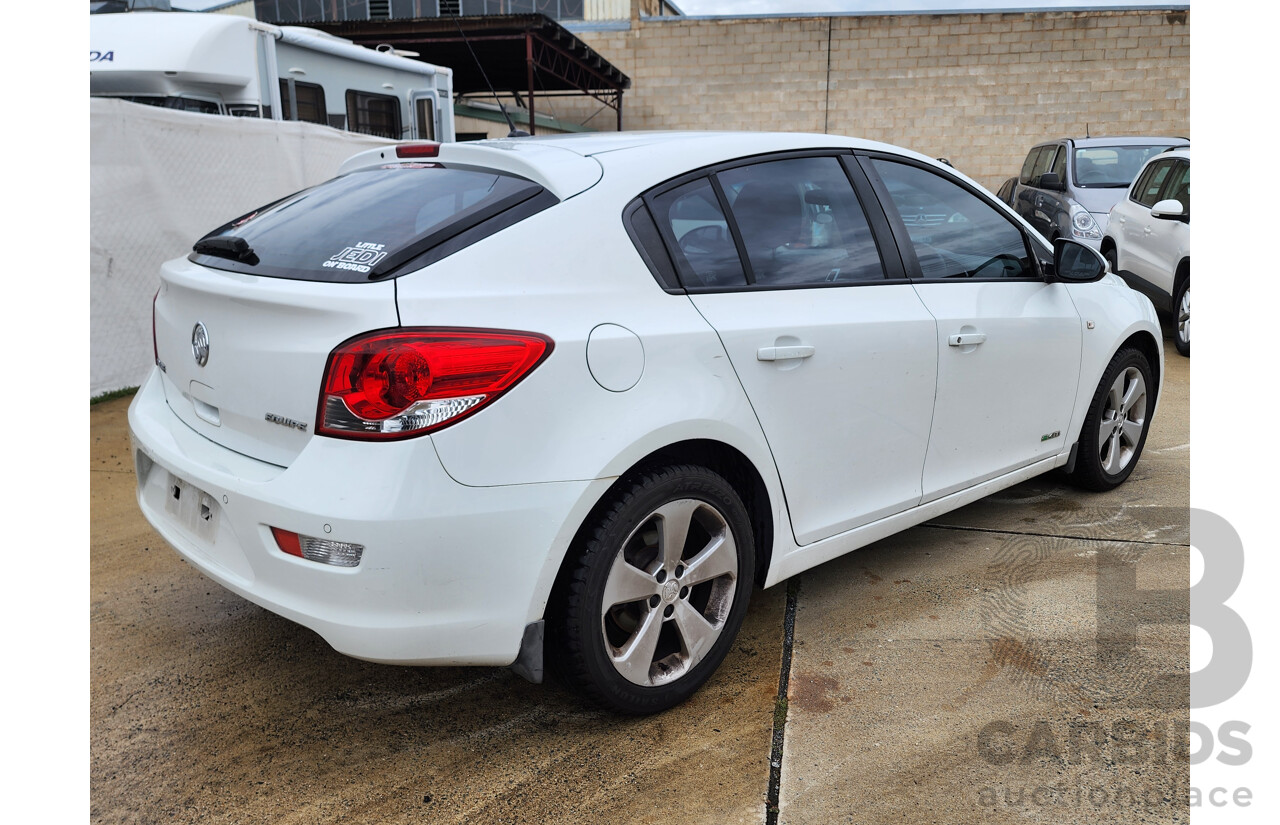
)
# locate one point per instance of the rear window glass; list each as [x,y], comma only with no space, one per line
[364,225]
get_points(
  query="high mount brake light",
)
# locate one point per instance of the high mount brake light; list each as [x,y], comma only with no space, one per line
[406,382]
[418,150]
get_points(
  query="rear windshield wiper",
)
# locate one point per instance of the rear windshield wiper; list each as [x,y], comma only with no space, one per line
[237,249]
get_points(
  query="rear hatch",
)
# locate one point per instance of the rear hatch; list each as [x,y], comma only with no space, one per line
[245,325]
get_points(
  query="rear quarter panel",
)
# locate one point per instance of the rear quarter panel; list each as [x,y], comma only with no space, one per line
[562,273]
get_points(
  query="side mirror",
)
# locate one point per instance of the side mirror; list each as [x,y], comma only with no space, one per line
[1075,263]
[1168,209]
[1050,180]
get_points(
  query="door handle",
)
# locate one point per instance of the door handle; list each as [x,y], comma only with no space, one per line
[966,339]
[783,353]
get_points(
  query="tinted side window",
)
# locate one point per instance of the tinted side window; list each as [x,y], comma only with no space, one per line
[1180,186]
[955,234]
[1059,165]
[648,241]
[1029,165]
[1043,161]
[705,253]
[801,223]
[1148,190]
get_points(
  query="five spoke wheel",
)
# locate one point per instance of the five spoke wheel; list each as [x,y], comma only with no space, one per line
[669,592]
[1182,311]
[1124,421]
[656,590]
[1116,426]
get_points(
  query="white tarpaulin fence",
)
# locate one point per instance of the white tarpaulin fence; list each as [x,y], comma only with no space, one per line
[161,179]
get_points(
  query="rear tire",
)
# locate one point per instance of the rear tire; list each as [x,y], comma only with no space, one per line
[654,596]
[1116,427]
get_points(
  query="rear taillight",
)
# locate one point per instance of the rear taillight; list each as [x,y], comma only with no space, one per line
[407,382]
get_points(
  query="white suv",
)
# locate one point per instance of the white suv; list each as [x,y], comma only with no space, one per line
[1148,238]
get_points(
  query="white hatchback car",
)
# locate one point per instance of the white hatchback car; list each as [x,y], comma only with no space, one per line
[469,401]
[1148,239]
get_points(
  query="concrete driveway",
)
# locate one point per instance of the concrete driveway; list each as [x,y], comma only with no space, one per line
[1023,658]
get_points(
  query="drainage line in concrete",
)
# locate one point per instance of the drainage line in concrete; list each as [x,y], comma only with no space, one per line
[780,704]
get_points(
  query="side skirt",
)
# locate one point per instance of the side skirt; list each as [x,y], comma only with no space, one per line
[811,555]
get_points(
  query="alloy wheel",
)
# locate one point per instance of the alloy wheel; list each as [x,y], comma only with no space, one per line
[1123,420]
[1184,316]
[669,592]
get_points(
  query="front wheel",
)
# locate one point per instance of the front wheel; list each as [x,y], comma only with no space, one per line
[1182,318]
[1116,427]
[657,591]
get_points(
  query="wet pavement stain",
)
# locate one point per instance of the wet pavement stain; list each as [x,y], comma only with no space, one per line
[813,692]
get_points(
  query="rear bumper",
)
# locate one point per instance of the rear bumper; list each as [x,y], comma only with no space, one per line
[450,574]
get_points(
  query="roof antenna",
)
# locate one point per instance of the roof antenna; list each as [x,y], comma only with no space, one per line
[514,132]
[1086,131]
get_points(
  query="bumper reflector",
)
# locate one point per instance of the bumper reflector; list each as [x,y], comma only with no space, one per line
[324,551]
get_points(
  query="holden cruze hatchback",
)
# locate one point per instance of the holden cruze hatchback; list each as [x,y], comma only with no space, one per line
[475,403]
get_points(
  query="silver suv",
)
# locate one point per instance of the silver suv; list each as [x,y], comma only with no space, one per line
[1067,187]
[1148,241]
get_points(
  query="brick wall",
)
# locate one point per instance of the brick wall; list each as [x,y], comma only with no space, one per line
[979,89]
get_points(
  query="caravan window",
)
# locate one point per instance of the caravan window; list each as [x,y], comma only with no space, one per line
[372,114]
[310,97]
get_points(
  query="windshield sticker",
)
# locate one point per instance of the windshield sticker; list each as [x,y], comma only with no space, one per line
[359,258]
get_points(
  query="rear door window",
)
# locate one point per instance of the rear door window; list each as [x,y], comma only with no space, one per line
[366,224]
[801,223]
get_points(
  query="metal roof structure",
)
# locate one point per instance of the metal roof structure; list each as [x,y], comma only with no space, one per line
[527,55]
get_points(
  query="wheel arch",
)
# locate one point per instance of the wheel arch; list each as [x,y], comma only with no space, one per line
[719,457]
[1144,342]
[1181,272]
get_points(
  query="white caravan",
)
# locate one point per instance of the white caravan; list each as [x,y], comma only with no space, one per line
[225,64]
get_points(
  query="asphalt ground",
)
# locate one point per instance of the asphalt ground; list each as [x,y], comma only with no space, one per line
[1021,659]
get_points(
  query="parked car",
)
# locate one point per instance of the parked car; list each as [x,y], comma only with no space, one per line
[1068,186]
[468,402]
[1148,240]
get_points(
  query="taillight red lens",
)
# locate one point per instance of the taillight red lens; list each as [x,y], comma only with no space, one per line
[406,382]
[288,542]
[417,150]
